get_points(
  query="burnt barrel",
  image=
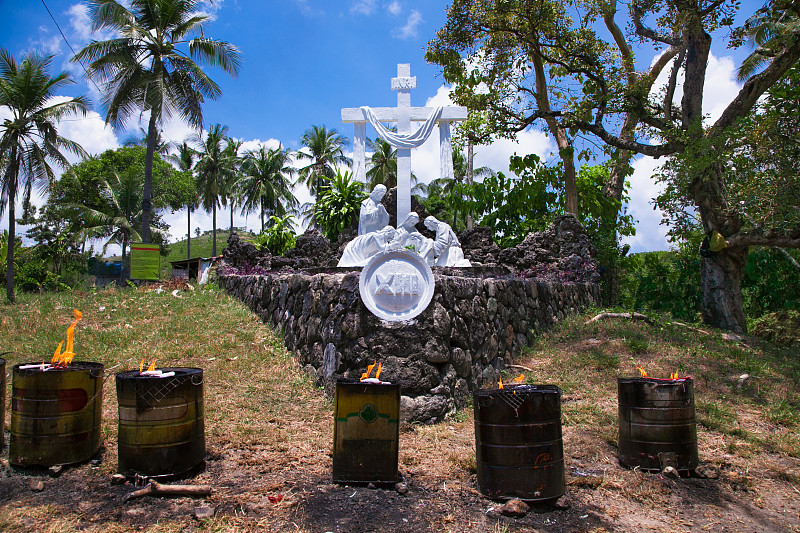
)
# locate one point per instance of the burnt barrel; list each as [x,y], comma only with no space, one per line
[2,397]
[161,429]
[657,423]
[518,443]
[55,414]
[365,432]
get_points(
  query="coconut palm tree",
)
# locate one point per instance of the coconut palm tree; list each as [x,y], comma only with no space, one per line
[212,173]
[29,140]
[325,149]
[184,160]
[146,68]
[230,191]
[266,185]
[383,164]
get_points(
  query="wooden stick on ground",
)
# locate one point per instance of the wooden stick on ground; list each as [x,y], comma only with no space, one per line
[525,368]
[157,489]
[632,316]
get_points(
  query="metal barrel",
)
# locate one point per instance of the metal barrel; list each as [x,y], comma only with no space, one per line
[519,451]
[657,423]
[55,415]
[161,429]
[2,399]
[365,432]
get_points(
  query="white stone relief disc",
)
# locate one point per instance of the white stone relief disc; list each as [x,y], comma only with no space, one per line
[396,285]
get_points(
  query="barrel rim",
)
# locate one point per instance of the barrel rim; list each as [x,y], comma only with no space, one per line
[180,371]
[656,381]
[74,366]
[355,382]
[544,389]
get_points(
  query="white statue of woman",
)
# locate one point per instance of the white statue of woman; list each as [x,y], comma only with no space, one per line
[446,247]
[373,215]
[408,237]
[360,250]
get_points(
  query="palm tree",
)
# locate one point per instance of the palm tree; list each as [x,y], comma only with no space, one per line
[383,164]
[29,140]
[266,184]
[145,69]
[325,151]
[184,160]
[230,189]
[162,148]
[212,173]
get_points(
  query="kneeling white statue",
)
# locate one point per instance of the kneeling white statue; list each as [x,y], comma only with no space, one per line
[360,250]
[446,247]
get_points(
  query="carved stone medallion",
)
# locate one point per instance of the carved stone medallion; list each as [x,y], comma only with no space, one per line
[396,285]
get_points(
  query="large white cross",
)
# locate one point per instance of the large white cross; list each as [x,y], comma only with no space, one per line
[403,115]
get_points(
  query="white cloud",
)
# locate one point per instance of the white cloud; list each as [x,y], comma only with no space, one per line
[80,22]
[394,8]
[364,7]
[209,8]
[410,29]
[306,10]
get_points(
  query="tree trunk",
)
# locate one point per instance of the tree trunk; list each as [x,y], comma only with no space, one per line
[470,177]
[721,286]
[10,255]
[214,231]
[231,230]
[122,276]
[262,216]
[189,234]
[147,204]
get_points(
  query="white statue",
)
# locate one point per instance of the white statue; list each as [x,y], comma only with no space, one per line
[409,238]
[373,215]
[446,249]
[360,250]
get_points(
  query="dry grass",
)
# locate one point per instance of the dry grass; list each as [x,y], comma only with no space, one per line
[269,430]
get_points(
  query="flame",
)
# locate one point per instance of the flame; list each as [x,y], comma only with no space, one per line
[500,383]
[642,372]
[519,379]
[152,366]
[141,365]
[366,374]
[674,375]
[65,358]
[378,372]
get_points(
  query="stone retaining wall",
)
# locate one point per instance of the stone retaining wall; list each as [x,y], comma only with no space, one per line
[470,330]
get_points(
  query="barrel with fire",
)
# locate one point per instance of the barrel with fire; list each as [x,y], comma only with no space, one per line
[2,394]
[56,408]
[657,426]
[161,431]
[366,429]
[519,451]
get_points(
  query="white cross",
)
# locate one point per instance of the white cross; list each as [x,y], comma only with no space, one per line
[403,115]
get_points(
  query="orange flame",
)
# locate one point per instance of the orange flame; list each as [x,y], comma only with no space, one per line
[65,358]
[152,366]
[378,372]
[141,365]
[366,374]
[674,375]
[519,379]
[642,372]
[500,383]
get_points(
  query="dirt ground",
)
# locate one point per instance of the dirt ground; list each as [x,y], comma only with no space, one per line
[248,482]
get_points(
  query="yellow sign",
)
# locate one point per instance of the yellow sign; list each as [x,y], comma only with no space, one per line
[145,261]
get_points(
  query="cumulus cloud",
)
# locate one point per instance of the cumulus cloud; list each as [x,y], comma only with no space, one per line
[394,8]
[364,7]
[306,10]
[80,22]
[411,28]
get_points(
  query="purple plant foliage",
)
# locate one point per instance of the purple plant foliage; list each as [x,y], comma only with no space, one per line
[243,270]
[577,269]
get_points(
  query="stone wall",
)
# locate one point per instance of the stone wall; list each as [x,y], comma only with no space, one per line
[471,329]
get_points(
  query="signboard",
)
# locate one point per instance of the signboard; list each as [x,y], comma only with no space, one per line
[145,261]
[396,285]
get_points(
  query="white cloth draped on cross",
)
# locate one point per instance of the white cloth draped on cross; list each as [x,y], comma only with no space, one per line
[398,140]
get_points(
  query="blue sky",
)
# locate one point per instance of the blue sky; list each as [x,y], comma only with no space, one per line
[303,61]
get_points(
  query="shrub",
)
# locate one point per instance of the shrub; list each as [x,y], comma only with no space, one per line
[781,328]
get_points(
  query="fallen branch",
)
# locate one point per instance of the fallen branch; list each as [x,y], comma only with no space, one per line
[525,368]
[631,316]
[157,489]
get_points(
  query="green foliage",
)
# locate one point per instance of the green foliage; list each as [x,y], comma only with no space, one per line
[771,282]
[279,237]
[781,328]
[338,204]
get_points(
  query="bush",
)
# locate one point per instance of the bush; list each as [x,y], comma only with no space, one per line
[781,328]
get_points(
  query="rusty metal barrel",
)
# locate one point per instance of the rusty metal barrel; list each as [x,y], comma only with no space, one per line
[518,443]
[161,429]
[55,414]
[365,432]
[2,398]
[657,425]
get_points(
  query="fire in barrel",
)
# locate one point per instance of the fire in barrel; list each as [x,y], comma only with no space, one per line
[2,394]
[161,428]
[657,425]
[366,429]
[518,442]
[56,408]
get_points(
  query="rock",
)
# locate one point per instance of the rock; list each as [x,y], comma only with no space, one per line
[491,512]
[55,471]
[204,512]
[118,479]
[36,485]
[401,488]
[707,471]
[371,486]
[743,380]
[671,472]
[515,508]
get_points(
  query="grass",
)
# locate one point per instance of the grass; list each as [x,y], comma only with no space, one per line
[264,414]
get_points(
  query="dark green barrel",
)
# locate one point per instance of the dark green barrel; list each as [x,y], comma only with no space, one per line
[161,422]
[2,399]
[365,432]
[657,423]
[55,414]
[518,443]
